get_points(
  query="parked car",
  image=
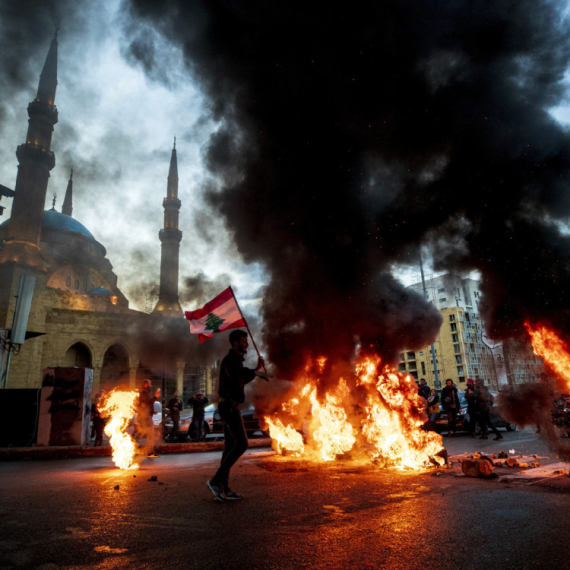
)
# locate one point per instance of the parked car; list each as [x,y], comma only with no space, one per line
[185,427]
[463,418]
[250,421]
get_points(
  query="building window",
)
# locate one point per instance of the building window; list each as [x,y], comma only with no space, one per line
[455,337]
[411,356]
[77,283]
[460,370]
[456,349]
[462,378]
[421,353]
[423,368]
[453,327]
[441,290]
[458,359]
[68,281]
[443,300]
[451,317]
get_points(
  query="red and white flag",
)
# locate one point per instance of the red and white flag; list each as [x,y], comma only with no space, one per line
[219,315]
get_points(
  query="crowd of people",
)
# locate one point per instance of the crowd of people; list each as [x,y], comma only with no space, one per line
[479,405]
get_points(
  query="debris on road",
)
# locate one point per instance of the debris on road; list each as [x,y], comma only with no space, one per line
[478,467]
[153,478]
[116,487]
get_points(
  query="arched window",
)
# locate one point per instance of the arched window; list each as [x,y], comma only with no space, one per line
[68,281]
[115,370]
[78,355]
[77,283]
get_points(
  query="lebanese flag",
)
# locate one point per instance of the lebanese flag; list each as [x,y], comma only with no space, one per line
[219,315]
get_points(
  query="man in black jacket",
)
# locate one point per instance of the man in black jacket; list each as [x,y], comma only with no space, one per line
[198,401]
[233,377]
[450,403]
[175,407]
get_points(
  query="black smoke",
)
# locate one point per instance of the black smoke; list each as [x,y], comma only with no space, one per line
[349,137]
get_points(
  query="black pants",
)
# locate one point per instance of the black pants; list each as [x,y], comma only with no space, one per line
[485,422]
[198,425]
[472,421]
[235,441]
[175,426]
[451,419]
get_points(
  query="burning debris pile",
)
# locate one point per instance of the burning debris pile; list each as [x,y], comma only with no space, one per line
[120,406]
[376,414]
[543,405]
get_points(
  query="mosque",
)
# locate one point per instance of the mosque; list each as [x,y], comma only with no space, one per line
[79,316]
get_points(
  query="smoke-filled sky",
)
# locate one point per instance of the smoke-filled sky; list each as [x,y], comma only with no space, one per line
[116,129]
[330,144]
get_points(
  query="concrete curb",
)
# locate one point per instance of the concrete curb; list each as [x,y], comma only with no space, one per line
[81,451]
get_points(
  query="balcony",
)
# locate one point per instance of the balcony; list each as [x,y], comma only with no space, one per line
[30,152]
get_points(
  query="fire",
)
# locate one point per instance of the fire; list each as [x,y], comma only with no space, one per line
[287,440]
[330,429]
[548,345]
[380,416]
[120,407]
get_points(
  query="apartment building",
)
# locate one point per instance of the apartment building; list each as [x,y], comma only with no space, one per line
[460,352]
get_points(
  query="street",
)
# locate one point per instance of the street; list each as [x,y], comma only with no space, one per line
[296,514]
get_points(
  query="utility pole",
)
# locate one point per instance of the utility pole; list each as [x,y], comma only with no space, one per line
[433,356]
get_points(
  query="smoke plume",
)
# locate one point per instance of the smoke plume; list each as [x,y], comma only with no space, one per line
[349,137]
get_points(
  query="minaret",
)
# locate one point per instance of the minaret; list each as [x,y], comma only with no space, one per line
[67,207]
[35,160]
[170,237]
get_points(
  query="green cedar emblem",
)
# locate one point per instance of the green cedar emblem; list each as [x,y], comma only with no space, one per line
[213,322]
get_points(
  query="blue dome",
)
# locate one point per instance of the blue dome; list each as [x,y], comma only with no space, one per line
[58,221]
[100,291]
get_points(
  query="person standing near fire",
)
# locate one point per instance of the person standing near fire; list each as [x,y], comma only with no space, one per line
[175,407]
[471,406]
[233,377]
[145,412]
[198,402]
[450,403]
[98,421]
[483,405]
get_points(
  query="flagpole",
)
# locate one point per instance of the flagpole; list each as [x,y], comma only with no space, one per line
[247,327]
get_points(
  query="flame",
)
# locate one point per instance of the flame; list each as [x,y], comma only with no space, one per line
[120,407]
[287,440]
[548,345]
[330,429]
[381,416]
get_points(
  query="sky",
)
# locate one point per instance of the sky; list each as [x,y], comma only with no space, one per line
[116,129]
[327,149]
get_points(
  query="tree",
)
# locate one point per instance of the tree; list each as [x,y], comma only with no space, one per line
[213,322]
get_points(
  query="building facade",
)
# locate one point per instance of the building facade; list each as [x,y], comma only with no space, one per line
[460,349]
[79,313]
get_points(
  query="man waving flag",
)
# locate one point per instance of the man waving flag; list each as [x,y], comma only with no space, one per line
[218,315]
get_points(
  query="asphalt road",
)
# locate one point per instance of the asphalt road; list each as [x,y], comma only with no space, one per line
[68,514]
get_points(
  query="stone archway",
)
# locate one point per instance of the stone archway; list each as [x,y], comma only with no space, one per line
[78,355]
[115,369]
